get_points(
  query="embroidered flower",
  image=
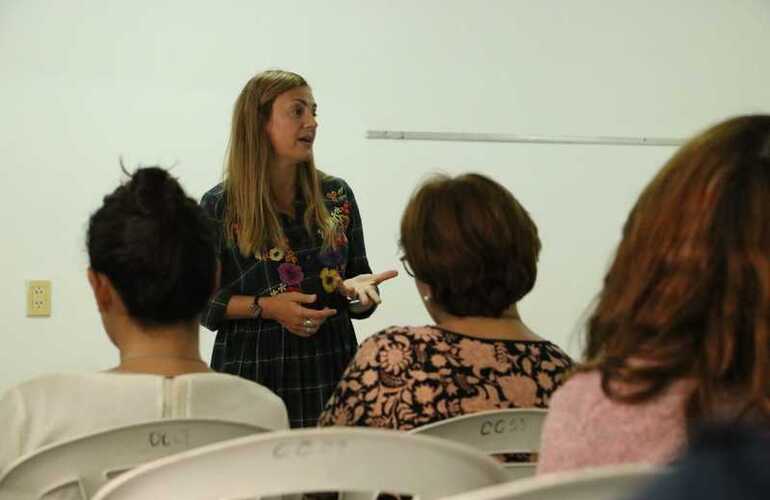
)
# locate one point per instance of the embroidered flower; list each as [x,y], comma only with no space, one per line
[329,279]
[424,394]
[342,415]
[275,254]
[291,274]
[481,401]
[341,240]
[521,391]
[337,195]
[336,216]
[545,381]
[394,358]
[369,378]
[291,257]
[425,333]
[367,354]
[477,355]
[438,360]
[331,258]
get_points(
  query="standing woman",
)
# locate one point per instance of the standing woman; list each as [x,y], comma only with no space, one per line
[291,251]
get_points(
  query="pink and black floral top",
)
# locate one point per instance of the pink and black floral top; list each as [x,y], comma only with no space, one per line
[405,377]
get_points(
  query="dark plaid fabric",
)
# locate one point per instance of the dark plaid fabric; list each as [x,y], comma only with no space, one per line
[302,371]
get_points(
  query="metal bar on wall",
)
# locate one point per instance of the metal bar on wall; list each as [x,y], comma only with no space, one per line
[404,135]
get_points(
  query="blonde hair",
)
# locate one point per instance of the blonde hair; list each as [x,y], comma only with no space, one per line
[250,215]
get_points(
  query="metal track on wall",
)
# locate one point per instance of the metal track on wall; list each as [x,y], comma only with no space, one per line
[406,135]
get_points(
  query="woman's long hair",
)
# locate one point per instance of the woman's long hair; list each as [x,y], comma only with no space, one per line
[250,215]
[688,294]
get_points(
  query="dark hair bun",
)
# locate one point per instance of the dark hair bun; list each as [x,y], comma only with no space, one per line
[156,246]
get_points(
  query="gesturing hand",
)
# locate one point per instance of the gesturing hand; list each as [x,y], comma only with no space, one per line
[363,287]
[286,309]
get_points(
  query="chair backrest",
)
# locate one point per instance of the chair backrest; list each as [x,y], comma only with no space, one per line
[77,468]
[601,483]
[312,460]
[515,430]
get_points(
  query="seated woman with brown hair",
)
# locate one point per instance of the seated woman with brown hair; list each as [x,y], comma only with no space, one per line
[681,332]
[472,250]
[152,269]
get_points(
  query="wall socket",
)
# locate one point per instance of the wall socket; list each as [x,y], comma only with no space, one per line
[38,298]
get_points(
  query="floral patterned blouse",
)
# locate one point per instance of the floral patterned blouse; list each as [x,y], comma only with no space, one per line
[302,371]
[405,377]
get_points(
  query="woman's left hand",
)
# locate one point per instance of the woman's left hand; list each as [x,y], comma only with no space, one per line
[364,287]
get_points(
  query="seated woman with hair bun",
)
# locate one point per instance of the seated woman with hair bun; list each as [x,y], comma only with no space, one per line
[472,250]
[152,269]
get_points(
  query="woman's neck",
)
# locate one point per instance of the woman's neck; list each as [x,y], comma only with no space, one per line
[169,350]
[283,184]
[508,326]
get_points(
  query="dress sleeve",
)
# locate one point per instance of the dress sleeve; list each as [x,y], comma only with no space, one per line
[12,416]
[213,315]
[357,261]
[351,402]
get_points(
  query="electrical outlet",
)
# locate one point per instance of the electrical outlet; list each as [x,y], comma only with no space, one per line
[39,298]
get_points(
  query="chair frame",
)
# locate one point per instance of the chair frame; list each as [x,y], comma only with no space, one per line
[599,483]
[79,461]
[513,430]
[342,459]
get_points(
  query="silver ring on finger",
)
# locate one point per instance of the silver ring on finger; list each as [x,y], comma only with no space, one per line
[307,324]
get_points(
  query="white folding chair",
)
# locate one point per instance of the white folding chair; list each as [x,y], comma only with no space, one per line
[77,468]
[515,430]
[335,459]
[615,482]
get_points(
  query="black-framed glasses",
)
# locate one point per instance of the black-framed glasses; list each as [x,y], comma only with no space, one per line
[407,268]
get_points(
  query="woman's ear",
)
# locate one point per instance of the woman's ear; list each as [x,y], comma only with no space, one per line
[102,288]
[424,290]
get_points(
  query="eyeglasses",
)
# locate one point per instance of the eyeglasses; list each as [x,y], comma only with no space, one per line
[407,268]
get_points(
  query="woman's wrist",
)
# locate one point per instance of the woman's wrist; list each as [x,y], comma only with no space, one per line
[264,306]
[355,306]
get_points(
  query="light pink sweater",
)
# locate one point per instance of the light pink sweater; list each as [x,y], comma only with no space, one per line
[584,428]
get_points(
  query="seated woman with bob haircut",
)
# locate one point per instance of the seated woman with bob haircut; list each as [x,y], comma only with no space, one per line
[680,336]
[152,269]
[472,250]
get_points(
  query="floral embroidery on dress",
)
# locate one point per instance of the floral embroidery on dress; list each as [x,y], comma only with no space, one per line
[276,254]
[333,258]
[279,288]
[330,279]
[340,214]
[291,274]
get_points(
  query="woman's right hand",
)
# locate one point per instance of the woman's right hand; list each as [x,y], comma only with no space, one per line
[287,309]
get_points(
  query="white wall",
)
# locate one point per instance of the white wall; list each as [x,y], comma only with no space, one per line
[82,82]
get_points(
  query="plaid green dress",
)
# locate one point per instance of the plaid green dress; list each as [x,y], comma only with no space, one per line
[302,371]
